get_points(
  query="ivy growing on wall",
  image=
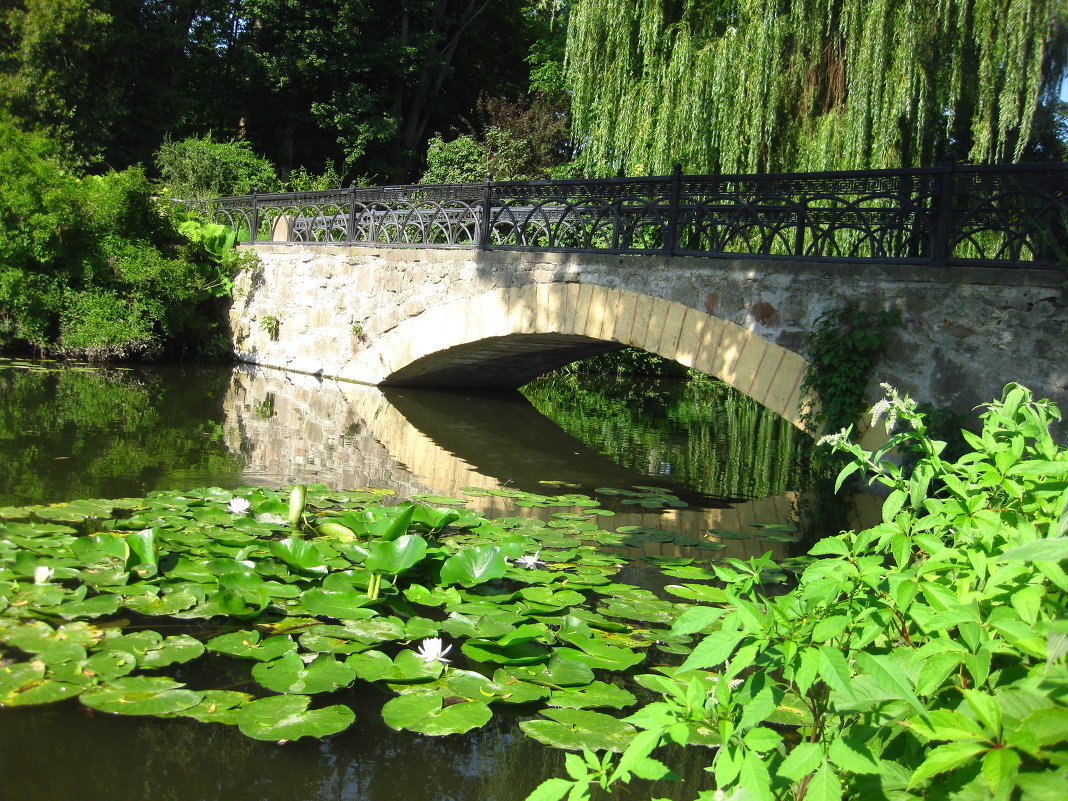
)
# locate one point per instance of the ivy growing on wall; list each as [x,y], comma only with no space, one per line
[842,350]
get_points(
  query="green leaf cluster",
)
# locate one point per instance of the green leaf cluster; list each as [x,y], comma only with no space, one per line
[922,658]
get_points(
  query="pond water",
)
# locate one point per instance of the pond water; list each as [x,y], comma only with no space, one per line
[82,433]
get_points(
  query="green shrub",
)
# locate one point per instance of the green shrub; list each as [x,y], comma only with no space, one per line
[461,161]
[924,658]
[93,266]
[100,324]
[199,170]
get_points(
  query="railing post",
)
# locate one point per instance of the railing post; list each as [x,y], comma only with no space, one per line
[253,234]
[944,219]
[487,210]
[671,240]
[350,229]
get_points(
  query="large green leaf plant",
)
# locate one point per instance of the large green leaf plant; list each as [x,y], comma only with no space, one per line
[921,658]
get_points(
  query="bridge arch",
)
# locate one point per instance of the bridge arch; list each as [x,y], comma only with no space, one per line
[506,337]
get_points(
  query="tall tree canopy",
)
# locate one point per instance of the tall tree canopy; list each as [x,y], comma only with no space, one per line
[780,85]
[362,82]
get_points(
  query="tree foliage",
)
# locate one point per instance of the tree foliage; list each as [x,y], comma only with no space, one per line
[751,85]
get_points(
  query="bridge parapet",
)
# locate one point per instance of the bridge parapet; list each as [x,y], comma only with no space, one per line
[1003,215]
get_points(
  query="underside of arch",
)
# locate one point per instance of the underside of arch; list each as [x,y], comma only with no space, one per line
[506,337]
[508,361]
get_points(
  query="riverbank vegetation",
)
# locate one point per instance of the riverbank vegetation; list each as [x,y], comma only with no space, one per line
[91,266]
[922,658]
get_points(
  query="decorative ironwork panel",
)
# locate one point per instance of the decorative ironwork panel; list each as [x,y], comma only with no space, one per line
[1015,215]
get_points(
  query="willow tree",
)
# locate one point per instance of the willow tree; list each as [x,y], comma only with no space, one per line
[782,85]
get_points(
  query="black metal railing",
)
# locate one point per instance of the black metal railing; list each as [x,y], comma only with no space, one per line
[1007,215]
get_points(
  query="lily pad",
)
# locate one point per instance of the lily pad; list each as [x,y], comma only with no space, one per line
[287,717]
[341,604]
[598,694]
[141,695]
[474,566]
[248,644]
[578,729]
[218,706]
[434,715]
[289,674]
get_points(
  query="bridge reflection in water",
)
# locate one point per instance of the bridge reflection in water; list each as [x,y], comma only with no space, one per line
[291,428]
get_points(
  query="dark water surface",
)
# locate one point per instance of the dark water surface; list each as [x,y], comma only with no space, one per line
[67,434]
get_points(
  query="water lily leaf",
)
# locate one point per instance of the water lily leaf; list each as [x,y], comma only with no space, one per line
[420,628]
[140,695]
[698,592]
[370,630]
[649,611]
[162,604]
[395,556]
[41,691]
[474,566]
[432,596]
[100,548]
[329,644]
[519,653]
[407,667]
[372,666]
[16,675]
[107,665]
[434,715]
[289,674]
[578,729]
[489,626]
[299,554]
[287,717]
[559,671]
[596,653]
[342,604]
[431,520]
[440,499]
[544,599]
[173,650]
[691,572]
[218,706]
[97,606]
[242,594]
[513,690]
[143,558]
[248,644]
[392,523]
[594,695]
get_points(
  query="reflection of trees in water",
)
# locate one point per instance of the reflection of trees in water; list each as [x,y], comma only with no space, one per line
[702,433]
[68,434]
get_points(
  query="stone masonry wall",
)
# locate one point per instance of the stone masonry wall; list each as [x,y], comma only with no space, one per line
[966,331]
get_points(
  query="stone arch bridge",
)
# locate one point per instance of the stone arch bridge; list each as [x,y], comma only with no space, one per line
[497,319]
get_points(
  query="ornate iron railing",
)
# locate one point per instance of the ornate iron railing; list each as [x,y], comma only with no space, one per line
[1014,215]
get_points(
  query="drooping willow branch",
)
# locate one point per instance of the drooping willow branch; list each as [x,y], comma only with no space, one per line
[764,86]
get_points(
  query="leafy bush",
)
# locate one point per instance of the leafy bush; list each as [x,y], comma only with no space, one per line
[199,170]
[461,161]
[922,658]
[92,266]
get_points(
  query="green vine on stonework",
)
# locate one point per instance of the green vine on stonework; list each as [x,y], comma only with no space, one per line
[843,348]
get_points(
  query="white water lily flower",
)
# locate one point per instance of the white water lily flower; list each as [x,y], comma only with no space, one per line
[529,561]
[238,506]
[42,574]
[430,650]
